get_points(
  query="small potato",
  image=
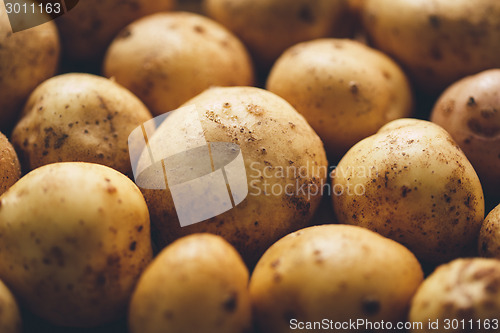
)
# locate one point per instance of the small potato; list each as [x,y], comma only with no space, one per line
[74,238]
[337,272]
[461,294]
[78,118]
[10,169]
[470,111]
[27,58]
[168,58]
[412,183]
[489,237]
[197,284]
[10,318]
[344,89]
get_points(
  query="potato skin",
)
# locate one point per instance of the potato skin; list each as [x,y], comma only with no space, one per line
[463,289]
[10,317]
[272,136]
[337,272]
[489,237]
[437,41]
[201,53]
[78,118]
[470,111]
[196,284]
[74,238]
[344,89]
[412,183]
[28,58]
[10,169]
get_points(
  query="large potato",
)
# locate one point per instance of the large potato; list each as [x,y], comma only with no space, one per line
[333,272]
[74,238]
[489,236]
[284,159]
[462,296]
[10,318]
[26,59]
[197,284]
[344,89]
[470,111]
[412,183]
[78,118]
[168,58]
[10,169]
[438,41]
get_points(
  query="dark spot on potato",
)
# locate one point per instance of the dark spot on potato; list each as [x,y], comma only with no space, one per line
[276,277]
[256,223]
[132,246]
[471,101]
[60,141]
[57,254]
[231,303]
[386,74]
[306,15]
[435,21]
[199,29]
[486,114]
[226,105]
[139,228]
[488,130]
[111,189]
[275,263]
[125,33]
[370,306]
[353,87]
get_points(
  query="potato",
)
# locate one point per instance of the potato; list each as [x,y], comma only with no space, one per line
[74,238]
[284,159]
[10,318]
[27,58]
[344,89]
[88,29]
[197,284]
[168,58]
[337,272]
[462,295]
[412,183]
[78,118]
[10,170]
[438,41]
[489,237]
[470,111]
[269,27]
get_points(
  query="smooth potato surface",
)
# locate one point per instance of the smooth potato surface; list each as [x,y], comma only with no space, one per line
[10,317]
[10,169]
[489,237]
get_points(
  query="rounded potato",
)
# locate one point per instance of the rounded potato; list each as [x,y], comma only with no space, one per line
[344,89]
[88,29]
[10,169]
[78,118]
[337,272]
[284,159]
[489,236]
[10,317]
[464,290]
[438,41]
[196,284]
[74,238]
[269,27]
[168,58]
[28,57]
[470,111]
[412,183]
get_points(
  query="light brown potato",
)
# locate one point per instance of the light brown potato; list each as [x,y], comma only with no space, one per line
[470,111]
[437,41]
[284,159]
[78,118]
[27,58]
[88,29]
[344,89]
[10,317]
[10,169]
[168,58]
[336,272]
[459,294]
[412,183]
[74,239]
[489,237]
[196,284]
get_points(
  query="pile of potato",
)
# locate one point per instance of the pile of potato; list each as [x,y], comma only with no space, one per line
[370,136]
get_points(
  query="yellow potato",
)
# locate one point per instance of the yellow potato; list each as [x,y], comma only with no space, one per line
[10,318]
[10,170]
[489,237]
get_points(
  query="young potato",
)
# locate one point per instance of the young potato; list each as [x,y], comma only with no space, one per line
[74,239]
[412,183]
[470,111]
[10,169]
[284,159]
[337,272]
[438,41]
[27,58]
[88,29]
[196,284]
[344,89]
[168,58]
[269,27]
[10,317]
[78,118]
[462,295]
[489,237]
